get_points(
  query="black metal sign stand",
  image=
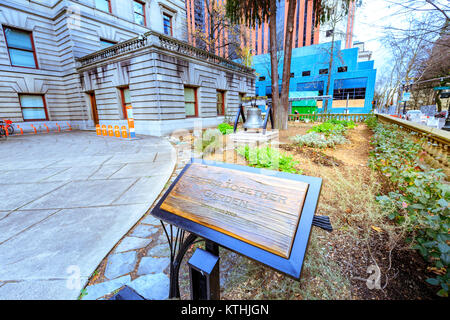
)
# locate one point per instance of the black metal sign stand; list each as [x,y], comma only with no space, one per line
[204,270]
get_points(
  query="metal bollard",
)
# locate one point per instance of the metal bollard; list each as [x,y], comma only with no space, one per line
[204,275]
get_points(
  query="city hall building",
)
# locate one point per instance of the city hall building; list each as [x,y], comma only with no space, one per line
[82,63]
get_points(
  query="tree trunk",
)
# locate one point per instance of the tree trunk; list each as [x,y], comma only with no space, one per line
[287,64]
[330,69]
[274,63]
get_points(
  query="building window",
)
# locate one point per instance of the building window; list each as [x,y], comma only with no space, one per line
[139,12]
[190,102]
[262,78]
[126,101]
[292,74]
[220,102]
[106,43]
[323,71]
[167,20]
[33,107]
[104,5]
[21,48]
[306,73]
[342,69]
[311,86]
[351,93]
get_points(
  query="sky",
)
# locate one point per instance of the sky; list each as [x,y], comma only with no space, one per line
[370,19]
[368,28]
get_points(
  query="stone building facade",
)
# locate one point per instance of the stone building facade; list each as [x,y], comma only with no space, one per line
[82,62]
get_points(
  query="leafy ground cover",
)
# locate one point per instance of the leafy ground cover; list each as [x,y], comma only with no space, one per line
[325,135]
[419,199]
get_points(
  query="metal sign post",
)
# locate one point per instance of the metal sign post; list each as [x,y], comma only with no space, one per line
[265,217]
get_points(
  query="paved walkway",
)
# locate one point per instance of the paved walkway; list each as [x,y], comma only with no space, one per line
[66,200]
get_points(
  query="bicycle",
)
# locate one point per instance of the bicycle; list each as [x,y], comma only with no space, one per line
[3,135]
[9,126]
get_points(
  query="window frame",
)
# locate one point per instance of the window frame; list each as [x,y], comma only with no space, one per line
[195,102]
[223,92]
[165,14]
[306,73]
[102,40]
[142,15]
[32,46]
[123,102]
[44,103]
[342,69]
[323,71]
[109,6]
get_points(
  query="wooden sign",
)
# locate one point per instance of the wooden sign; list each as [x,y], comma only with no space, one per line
[261,210]
[263,214]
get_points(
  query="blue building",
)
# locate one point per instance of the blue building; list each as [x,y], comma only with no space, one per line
[350,79]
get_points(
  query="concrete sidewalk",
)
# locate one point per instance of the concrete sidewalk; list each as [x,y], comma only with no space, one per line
[66,200]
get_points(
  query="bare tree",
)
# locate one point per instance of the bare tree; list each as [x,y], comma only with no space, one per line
[410,47]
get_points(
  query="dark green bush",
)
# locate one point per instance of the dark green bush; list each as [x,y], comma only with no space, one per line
[422,196]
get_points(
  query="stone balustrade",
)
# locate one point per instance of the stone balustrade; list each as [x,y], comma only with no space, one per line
[165,42]
[436,143]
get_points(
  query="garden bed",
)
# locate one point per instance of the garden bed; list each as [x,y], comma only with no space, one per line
[337,263]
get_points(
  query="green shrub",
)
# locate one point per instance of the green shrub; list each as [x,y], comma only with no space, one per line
[371,121]
[270,158]
[225,128]
[317,140]
[350,124]
[422,196]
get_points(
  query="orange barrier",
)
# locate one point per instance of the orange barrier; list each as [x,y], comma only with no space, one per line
[110,131]
[98,130]
[104,132]
[117,131]
[124,132]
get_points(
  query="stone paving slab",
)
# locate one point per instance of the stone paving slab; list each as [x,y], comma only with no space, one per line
[53,232]
[99,290]
[74,173]
[152,265]
[132,243]
[144,231]
[71,237]
[135,170]
[143,191]
[161,250]
[105,171]
[83,194]
[14,196]
[55,289]
[29,175]
[18,221]
[120,264]
[152,286]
